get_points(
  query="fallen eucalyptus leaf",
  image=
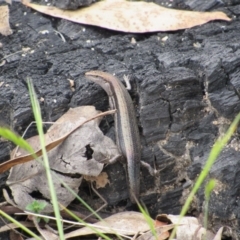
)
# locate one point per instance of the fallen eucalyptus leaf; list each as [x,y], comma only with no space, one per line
[127,16]
[127,223]
[4,21]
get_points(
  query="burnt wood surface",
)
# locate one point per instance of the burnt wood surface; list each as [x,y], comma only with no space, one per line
[186,91]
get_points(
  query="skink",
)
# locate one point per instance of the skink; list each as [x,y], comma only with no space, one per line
[127,134]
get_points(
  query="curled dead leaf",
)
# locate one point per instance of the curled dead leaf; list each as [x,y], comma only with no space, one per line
[187,228]
[101,180]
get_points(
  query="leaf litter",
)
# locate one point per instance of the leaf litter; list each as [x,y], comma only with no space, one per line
[50,144]
[123,223]
[135,17]
[68,161]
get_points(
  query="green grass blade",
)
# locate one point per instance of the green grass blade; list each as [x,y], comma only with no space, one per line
[28,231]
[148,219]
[38,119]
[87,225]
[17,140]
[214,153]
[94,213]
[208,189]
[81,201]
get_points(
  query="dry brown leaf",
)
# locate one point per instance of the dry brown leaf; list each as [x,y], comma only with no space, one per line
[45,233]
[14,235]
[68,161]
[222,233]
[50,144]
[136,17]
[101,180]
[218,236]
[8,1]
[188,228]
[162,232]
[160,223]
[9,226]
[4,21]
[127,223]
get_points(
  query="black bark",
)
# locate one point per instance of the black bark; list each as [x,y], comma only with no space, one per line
[186,91]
